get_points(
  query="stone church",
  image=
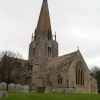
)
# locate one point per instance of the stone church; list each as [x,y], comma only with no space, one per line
[66,74]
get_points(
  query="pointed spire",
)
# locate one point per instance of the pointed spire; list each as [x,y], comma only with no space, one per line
[44,24]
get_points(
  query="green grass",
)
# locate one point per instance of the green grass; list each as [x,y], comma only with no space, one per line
[51,96]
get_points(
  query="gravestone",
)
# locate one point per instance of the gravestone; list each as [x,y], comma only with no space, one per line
[54,90]
[3,86]
[18,88]
[67,91]
[3,94]
[25,88]
[71,90]
[64,90]
[59,90]
[11,87]
[48,89]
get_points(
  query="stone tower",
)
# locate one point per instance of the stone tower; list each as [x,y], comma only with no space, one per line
[42,47]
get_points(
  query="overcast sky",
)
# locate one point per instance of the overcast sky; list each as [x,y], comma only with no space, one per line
[76,22]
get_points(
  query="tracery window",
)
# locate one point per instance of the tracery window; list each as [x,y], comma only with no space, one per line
[59,79]
[79,74]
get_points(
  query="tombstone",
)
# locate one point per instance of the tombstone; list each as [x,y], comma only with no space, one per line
[18,88]
[3,94]
[64,90]
[3,86]
[26,89]
[54,90]
[71,90]
[11,87]
[59,90]
[48,89]
[67,91]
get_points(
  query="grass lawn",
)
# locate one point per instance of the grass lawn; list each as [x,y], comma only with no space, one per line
[51,96]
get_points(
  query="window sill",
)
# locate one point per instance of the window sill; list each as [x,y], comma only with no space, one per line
[80,86]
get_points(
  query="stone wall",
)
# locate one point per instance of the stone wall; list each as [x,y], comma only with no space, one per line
[93,85]
[69,78]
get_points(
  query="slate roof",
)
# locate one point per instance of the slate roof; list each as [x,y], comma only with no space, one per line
[61,62]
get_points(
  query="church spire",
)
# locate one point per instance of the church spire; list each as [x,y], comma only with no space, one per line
[44,26]
[43,47]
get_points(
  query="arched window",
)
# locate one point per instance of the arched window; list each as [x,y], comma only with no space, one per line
[79,74]
[49,51]
[59,79]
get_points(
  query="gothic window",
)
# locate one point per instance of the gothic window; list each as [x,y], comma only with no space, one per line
[59,79]
[49,51]
[79,74]
[49,34]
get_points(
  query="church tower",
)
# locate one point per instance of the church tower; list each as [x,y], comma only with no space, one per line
[42,47]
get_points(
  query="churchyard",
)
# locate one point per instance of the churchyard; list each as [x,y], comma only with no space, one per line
[17,88]
[19,92]
[51,96]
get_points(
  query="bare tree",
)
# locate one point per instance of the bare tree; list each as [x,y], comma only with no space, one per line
[94,69]
[12,67]
[95,72]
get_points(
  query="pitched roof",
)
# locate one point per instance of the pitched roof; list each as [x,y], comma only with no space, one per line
[61,62]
